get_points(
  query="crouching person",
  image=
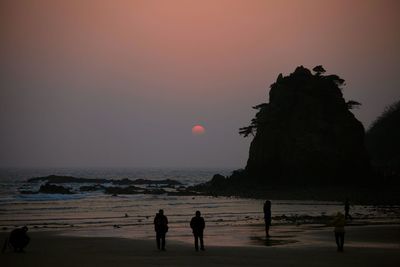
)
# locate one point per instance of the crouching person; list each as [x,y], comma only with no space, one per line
[18,239]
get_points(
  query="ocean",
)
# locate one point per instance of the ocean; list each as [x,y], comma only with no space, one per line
[229,220]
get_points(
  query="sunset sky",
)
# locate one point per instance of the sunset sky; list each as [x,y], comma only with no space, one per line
[122,83]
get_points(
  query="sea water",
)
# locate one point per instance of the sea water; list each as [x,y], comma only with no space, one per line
[228,219]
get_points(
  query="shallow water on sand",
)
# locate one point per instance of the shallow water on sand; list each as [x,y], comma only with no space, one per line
[234,221]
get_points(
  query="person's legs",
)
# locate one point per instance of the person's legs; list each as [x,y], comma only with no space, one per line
[23,244]
[158,237]
[201,241]
[196,242]
[337,236]
[341,241]
[163,241]
[266,229]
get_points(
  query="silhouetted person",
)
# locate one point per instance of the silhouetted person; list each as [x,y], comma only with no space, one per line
[339,222]
[197,224]
[161,228]
[267,217]
[18,239]
[347,209]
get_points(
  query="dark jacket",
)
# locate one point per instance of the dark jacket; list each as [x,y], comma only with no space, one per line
[18,238]
[197,224]
[160,223]
[267,215]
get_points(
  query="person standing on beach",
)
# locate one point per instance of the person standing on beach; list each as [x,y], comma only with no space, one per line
[347,209]
[197,224]
[161,228]
[338,222]
[267,217]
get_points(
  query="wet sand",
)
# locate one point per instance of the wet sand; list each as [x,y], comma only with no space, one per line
[364,246]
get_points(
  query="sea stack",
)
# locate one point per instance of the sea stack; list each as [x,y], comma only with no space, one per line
[306,134]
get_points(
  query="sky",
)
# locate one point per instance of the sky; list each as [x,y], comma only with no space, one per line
[122,83]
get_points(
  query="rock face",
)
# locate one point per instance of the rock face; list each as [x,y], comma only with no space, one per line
[383,142]
[306,134]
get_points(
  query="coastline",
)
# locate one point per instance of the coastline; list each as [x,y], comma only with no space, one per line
[377,245]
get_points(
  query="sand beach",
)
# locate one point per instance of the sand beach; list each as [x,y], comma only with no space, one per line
[374,245]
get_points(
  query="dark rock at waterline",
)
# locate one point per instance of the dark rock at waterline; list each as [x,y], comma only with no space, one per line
[217,183]
[91,188]
[56,179]
[54,189]
[124,181]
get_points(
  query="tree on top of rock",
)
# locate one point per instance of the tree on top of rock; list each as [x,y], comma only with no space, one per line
[306,132]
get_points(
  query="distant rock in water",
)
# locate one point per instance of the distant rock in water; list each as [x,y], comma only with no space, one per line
[383,142]
[306,134]
[56,179]
[54,189]
[125,186]
[91,188]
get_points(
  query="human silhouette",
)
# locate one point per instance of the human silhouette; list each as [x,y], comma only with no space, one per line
[18,239]
[197,224]
[267,217]
[347,209]
[161,228]
[338,222]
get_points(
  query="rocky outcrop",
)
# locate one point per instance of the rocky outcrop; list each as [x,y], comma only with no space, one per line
[306,134]
[91,188]
[383,143]
[56,179]
[54,189]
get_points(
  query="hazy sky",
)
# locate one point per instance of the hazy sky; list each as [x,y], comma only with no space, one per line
[121,83]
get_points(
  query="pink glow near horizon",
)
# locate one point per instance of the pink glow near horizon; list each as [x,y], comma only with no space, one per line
[99,78]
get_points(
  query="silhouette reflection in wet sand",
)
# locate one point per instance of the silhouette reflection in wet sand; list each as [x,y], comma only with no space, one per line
[257,240]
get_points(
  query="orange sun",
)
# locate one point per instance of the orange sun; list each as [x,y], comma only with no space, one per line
[198,130]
